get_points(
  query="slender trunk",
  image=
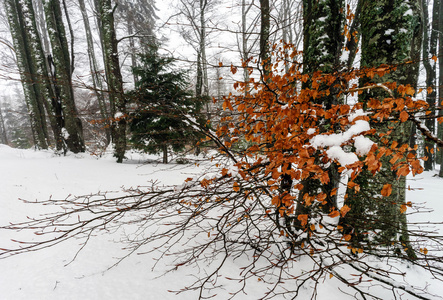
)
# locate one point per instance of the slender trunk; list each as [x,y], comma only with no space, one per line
[265,27]
[114,79]
[244,46]
[203,5]
[430,49]
[352,44]
[440,82]
[71,33]
[97,82]
[165,153]
[285,31]
[42,25]
[3,136]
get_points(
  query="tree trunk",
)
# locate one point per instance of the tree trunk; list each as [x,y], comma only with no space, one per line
[42,26]
[3,136]
[72,128]
[265,27]
[24,34]
[71,33]
[165,153]
[97,82]
[429,50]
[352,44]
[114,78]
[244,50]
[322,49]
[440,82]
[390,36]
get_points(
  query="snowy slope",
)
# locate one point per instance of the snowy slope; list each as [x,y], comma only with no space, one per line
[51,273]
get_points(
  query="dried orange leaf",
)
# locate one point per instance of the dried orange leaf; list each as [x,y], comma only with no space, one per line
[344,210]
[334,214]
[403,208]
[386,190]
[303,219]
[404,116]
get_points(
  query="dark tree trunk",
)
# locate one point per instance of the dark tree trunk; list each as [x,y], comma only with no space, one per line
[114,78]
[389,36]
[3,136]
[322,49]
[165,153]
[72,127]
[25,38]
[265,27]
[430,39]
[440,82]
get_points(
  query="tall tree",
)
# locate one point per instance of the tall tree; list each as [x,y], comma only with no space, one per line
[197,13]
[265,28]
[24,35]
[391,37]
[290,19]
[97,82]
[440,82]
[323,23]
[113,77]
[162,101]
[430,39]
[3,136]
[244,46]
[62,76]
[139,18]
[41,22]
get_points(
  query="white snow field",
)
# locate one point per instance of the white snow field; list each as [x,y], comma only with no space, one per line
[53,274]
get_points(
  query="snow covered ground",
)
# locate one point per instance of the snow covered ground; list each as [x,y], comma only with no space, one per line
[51,273]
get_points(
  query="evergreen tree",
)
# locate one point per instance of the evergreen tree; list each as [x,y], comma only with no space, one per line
[162,106]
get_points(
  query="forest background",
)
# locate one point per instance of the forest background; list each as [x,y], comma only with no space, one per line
[299,98]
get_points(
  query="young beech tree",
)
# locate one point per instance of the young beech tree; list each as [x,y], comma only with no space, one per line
[161,99]
[234,212]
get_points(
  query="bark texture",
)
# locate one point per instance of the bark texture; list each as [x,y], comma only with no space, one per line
[391,35]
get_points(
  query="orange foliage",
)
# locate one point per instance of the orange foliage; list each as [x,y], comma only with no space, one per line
[278,119]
